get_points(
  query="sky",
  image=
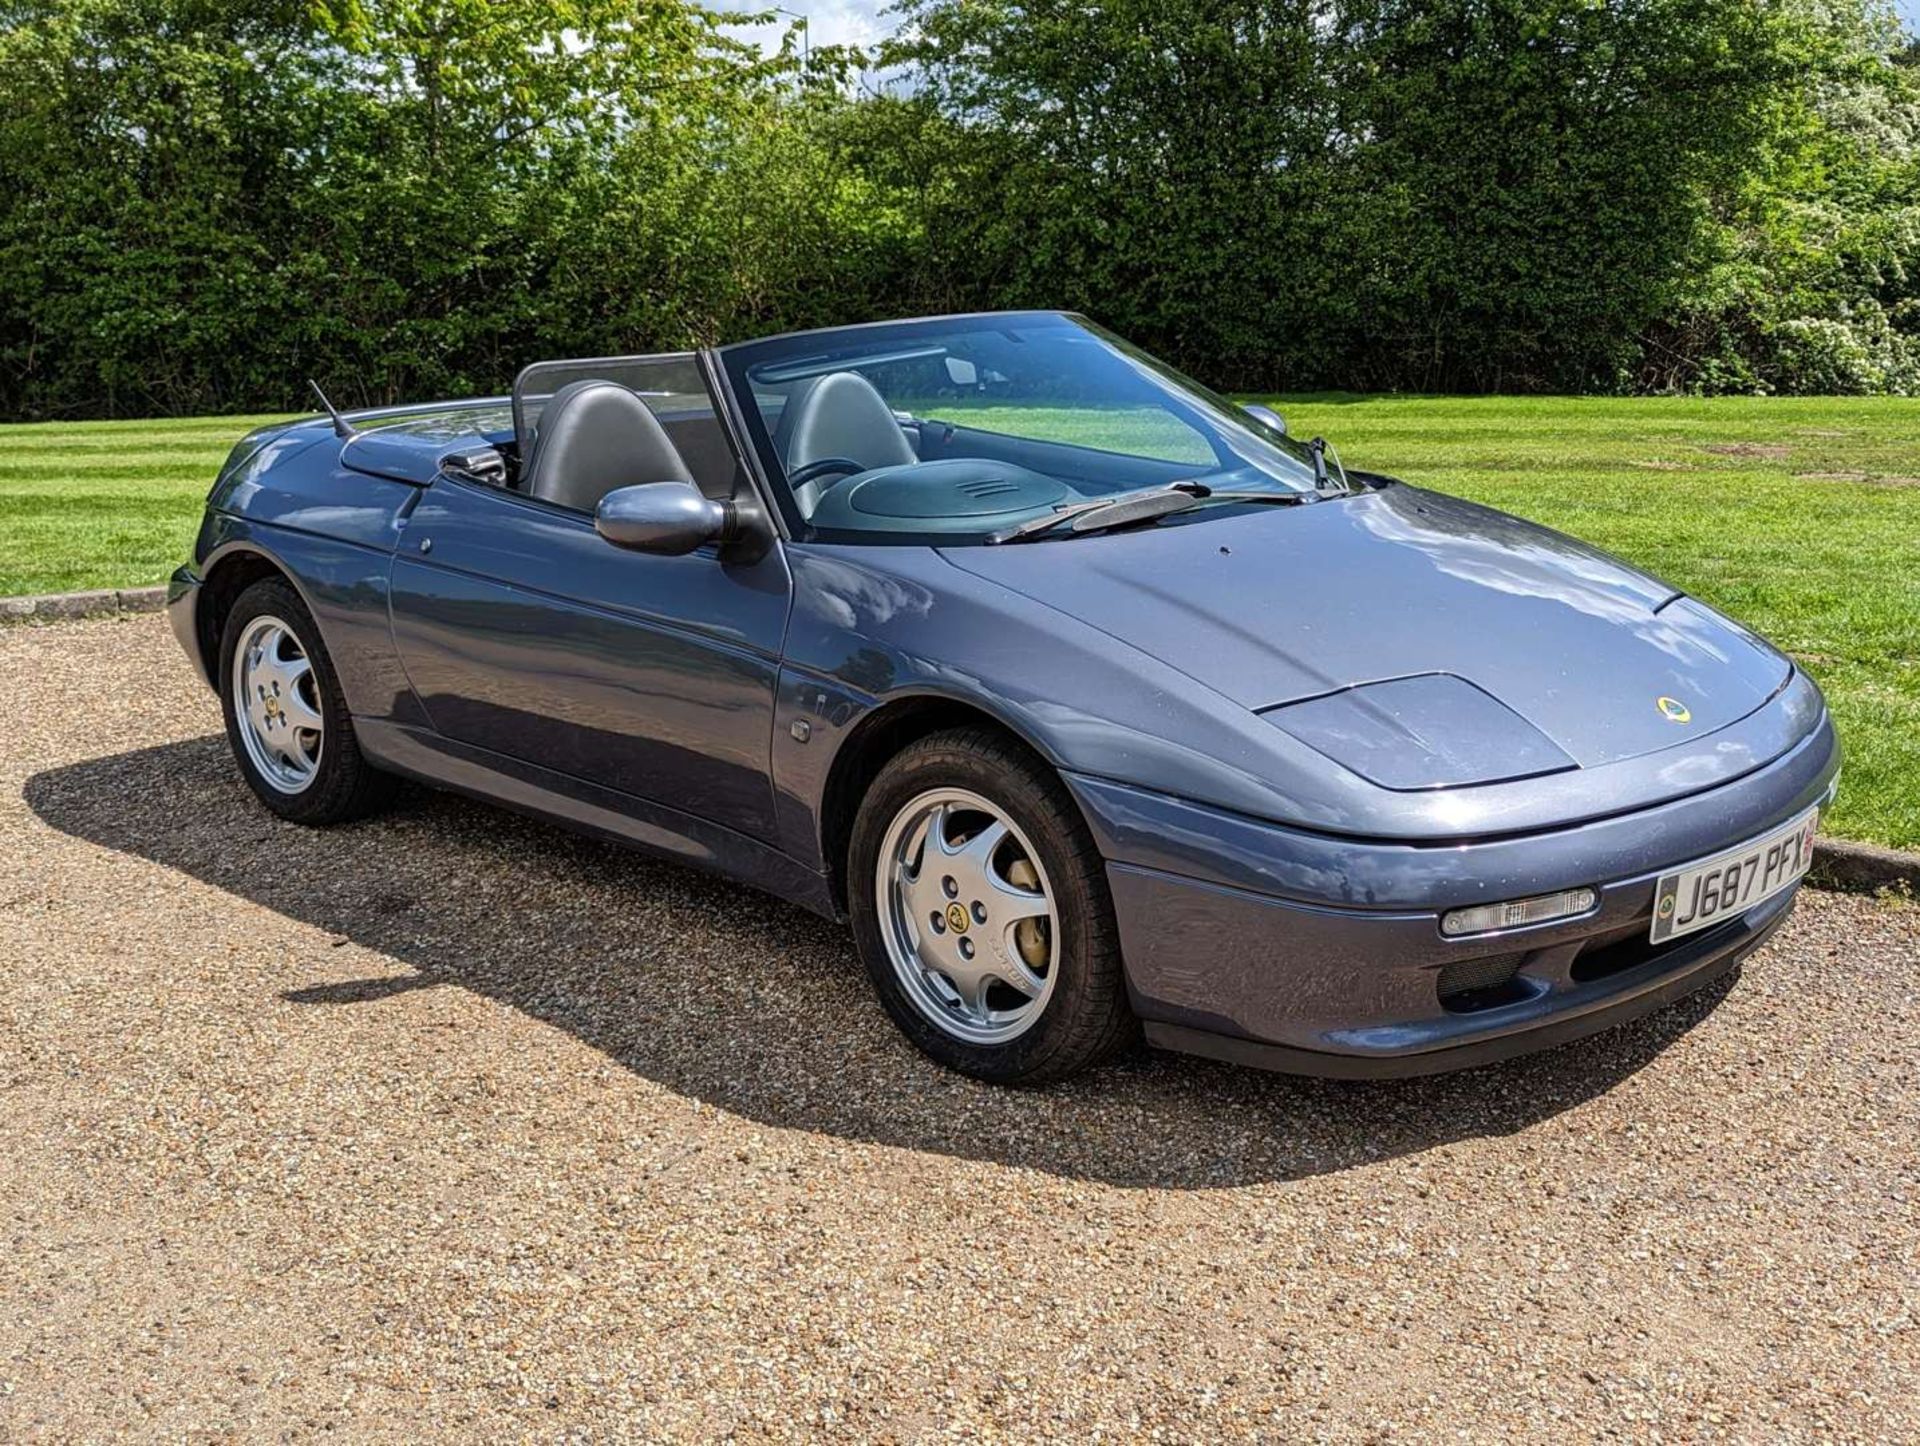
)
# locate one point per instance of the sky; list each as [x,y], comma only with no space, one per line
[859,22]
[837,22]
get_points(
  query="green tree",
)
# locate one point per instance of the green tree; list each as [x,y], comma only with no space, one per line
[137,144]
[1811,278]
[1428,193]
[1157,163]
[202,202]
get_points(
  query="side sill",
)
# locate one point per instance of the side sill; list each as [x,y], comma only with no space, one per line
[589,808]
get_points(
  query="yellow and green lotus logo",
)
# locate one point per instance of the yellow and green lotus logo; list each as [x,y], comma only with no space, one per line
[1673,710]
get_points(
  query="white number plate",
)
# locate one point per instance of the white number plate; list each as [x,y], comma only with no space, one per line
[1733,882]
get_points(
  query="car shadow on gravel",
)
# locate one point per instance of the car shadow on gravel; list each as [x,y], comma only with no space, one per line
[751,1005]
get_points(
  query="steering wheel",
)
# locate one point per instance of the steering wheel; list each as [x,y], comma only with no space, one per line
[822,467]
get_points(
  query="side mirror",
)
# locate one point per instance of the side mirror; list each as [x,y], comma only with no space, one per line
[1269,416]
[670,518]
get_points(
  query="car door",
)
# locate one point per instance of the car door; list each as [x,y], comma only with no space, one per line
[525,633]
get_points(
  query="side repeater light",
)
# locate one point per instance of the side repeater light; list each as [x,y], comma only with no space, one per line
[1516,913]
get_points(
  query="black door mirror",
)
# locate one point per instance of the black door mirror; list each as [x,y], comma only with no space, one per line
[1268,415]
[664,517]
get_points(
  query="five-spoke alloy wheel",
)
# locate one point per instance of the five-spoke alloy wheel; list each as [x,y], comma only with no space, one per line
[970,925]
[281,726]
[981,910]
[286,717]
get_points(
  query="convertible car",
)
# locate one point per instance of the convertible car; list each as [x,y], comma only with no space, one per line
[1097,704]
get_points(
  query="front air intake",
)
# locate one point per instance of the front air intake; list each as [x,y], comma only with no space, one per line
[1469,985]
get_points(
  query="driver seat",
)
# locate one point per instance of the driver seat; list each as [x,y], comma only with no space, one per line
[592,437]
[837,415]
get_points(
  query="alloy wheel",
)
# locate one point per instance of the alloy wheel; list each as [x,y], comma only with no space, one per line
[968,916]
[278,706]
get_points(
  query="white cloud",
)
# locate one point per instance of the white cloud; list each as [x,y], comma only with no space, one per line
[829,22]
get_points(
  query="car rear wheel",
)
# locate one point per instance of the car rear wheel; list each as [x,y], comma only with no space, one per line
[981,911]
[287,720]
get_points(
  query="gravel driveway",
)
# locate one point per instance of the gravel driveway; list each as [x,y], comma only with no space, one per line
[450,1124]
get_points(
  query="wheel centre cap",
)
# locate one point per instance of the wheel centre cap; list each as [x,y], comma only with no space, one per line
[957,919]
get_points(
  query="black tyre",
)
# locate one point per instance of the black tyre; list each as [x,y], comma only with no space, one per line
[980,908]
[287,721]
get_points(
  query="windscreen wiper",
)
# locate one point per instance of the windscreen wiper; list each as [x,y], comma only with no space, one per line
[1322,481]
[1099,513]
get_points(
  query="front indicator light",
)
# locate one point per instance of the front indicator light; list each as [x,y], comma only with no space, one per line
[1541,909]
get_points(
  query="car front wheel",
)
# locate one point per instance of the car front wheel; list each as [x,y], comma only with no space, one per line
[980,908]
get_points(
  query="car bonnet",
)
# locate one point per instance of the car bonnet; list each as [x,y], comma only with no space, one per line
[1537,648]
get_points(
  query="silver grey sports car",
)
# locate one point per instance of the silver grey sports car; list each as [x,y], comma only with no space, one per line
[1096,703]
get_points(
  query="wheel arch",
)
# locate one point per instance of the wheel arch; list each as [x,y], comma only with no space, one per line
[879,737]
[228,575]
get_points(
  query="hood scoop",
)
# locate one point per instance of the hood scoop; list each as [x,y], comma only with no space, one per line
[1432,730]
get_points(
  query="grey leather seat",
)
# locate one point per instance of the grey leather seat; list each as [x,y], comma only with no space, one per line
[595,436]
[837,415]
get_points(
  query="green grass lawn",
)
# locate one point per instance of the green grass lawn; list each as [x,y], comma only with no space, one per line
[105,504]
[1801,517]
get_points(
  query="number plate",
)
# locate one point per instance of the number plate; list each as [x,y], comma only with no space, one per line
[1733,882]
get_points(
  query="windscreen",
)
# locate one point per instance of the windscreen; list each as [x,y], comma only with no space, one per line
[960,426]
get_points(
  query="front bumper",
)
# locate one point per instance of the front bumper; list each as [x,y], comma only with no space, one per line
[1554,994]
[1320,955]
[183,613]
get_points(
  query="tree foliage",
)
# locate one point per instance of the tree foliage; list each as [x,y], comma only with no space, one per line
[1437,194]
[204,201]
